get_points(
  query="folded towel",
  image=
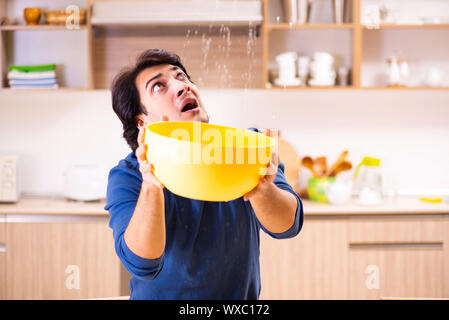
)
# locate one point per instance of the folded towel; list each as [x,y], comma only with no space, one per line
[28,81]
[31,75]
[35,86]
[38,68]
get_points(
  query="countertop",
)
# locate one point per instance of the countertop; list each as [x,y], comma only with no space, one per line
[398,205]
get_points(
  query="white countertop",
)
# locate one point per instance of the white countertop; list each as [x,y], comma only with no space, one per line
[399,205]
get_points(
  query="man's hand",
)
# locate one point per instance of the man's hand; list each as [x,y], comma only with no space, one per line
[145,167]
[265,182]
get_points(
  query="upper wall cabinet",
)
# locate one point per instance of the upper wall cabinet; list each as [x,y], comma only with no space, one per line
[362,44]
[295,44]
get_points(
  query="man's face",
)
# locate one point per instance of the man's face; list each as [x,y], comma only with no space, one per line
[167,93]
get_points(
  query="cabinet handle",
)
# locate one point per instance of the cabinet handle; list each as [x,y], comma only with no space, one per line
[2,247]
[396,245]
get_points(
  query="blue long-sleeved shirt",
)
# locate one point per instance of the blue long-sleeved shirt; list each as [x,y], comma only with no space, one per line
[211,249]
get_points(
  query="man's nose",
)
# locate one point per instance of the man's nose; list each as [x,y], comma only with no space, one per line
[183,89]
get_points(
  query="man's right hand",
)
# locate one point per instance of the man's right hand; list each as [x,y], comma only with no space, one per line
[145,167]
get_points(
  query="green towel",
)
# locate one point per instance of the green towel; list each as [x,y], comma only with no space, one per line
[40,68]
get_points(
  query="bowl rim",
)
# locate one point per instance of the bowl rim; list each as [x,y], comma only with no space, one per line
[271,139]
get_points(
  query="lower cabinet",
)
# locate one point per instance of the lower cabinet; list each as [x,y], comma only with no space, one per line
[67,258]
[396,257]
[313,265]
[359,257]
[2,258]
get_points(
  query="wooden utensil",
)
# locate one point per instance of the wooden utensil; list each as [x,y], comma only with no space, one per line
[290,159]
[340,159]
[343,166]
[308,163]
[320,165]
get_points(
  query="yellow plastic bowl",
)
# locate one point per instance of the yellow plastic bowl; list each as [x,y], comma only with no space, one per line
[207,162]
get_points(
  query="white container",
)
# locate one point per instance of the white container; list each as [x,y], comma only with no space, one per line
[291,11]
[303,10]
[287,66]
[339,11]
[339,192]
[286,56]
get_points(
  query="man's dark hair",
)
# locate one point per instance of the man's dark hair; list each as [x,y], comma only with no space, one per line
[125,97]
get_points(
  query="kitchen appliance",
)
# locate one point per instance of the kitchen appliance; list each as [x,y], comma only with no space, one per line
[85,183]
[9,191]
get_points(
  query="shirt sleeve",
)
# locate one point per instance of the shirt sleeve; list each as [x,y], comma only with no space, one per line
[281,182]
[122,194]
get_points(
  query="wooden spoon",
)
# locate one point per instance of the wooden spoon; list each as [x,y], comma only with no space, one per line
[308,163]
[320,165]
[340,159]
[343,166]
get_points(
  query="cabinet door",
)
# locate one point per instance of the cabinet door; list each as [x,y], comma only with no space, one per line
[313,265]
[61,261]
[2,258]
[396,257]
[446,256]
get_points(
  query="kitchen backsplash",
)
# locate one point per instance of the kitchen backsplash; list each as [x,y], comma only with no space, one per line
[408,130]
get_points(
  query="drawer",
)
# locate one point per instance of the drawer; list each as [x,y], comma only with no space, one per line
[405,230]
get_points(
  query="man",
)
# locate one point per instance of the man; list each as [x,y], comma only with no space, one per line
[174,247]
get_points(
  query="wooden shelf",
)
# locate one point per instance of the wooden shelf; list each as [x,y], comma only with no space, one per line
[40,27]
[102,61]
[287,26]
[37,89]
[356,53]
[354,87]
[406,26]
[177,24]
[311,88]
[405,88]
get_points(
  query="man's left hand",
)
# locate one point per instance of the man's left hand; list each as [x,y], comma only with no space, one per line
[265,182]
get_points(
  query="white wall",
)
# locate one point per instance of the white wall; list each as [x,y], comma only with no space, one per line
[408,130]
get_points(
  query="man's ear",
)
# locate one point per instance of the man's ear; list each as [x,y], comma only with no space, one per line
[140,120]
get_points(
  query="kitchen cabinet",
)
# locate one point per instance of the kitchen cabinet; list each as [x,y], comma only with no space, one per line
[2,258]
[222,53]
[313,265]
[226,54]
[395,257]
[68,48]
[60,257]
[353,252]
[364,47]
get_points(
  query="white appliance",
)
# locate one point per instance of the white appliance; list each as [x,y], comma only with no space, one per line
[85,183]
[9,190]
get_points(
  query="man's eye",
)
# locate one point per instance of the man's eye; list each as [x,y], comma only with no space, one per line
[157,86]
[181,76]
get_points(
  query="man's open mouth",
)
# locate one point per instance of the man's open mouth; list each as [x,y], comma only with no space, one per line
[189,104]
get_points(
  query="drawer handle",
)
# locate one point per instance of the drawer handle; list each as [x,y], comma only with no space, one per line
[396,245]
[2,247]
